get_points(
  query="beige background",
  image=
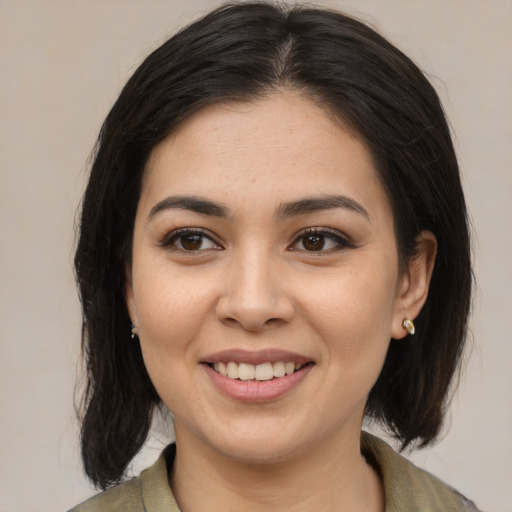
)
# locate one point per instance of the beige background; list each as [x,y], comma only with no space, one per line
[62,64]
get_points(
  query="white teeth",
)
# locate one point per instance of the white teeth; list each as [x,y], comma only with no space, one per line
[289,368]
[232,370]
[222,369]
[261,372]
[264,372]
[279,370]
[245,371]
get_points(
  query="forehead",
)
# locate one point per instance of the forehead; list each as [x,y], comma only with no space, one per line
[279,147]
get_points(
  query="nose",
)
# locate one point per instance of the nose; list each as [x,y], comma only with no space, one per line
[253,295]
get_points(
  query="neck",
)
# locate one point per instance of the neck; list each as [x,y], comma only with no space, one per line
[334,476]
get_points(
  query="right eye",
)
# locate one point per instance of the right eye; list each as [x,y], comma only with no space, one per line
[189,240]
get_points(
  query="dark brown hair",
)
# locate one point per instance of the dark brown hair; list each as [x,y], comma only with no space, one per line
[241,52]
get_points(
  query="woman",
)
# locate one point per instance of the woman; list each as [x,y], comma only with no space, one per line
[273,244]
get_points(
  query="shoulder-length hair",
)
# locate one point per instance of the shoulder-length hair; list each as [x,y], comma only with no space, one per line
[241,52]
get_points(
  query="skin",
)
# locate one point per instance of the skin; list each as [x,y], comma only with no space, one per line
[254,283]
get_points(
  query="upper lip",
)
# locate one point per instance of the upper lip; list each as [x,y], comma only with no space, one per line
[255,356]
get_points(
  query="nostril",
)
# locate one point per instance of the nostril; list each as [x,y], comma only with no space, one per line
[254,311]
[272,321]
[231,322]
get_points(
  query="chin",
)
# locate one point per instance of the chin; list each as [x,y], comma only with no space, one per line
[259,451]
[260,442]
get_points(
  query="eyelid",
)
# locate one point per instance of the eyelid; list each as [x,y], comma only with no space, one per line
[171,236]
[340,238]
[343,240]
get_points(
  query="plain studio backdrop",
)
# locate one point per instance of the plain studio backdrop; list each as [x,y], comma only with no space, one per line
[64,62]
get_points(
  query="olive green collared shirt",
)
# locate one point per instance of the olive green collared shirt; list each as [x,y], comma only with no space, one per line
[407,488]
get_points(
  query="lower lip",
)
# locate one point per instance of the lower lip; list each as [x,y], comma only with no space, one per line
[254,391]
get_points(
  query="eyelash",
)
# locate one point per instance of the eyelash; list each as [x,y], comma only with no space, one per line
[169,240]
[341,241]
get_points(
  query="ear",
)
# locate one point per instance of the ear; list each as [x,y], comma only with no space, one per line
[129,297]
[415,282]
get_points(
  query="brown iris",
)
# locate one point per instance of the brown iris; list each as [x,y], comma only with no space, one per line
[313,242]
[191,242]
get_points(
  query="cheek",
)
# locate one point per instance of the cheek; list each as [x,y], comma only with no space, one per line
[171,316]
[171,310]
[353,314]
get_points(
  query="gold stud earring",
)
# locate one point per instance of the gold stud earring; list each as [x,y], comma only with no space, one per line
[409,326]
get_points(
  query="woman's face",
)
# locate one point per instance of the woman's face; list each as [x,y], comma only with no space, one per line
[264,244]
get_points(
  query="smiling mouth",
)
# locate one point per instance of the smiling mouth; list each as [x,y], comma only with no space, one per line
[257,372]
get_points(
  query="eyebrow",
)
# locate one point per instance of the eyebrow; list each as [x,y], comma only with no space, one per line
[316,204]
[284,211]
[191,203]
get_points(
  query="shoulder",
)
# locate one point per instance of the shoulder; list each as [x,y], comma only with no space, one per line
[126,497]
[148,492]
[408,487]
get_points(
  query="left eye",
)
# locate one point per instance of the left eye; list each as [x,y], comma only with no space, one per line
[191,241]
[318,241]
